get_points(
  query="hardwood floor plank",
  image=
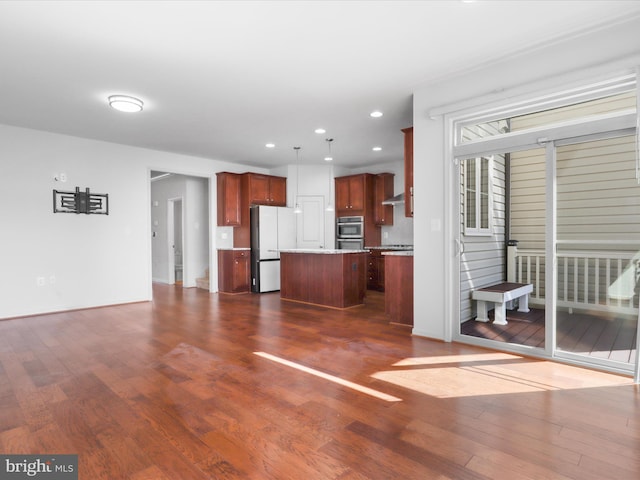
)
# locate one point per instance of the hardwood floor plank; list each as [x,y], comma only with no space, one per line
[172,389]
[151,473]
[440,465]
[375,461]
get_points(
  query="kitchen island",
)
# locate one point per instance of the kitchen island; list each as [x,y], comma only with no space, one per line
[332,278]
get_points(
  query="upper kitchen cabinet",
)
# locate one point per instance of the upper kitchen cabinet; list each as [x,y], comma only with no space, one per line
[257,189]
[353,193]
[228,199]
[383,214]
[265,189]
[408,171]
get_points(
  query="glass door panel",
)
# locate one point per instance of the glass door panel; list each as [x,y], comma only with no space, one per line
[598,251]
[509,249]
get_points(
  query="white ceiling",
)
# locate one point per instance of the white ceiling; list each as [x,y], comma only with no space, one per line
[221,78]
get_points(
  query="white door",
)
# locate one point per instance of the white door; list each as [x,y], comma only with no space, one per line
[310,228]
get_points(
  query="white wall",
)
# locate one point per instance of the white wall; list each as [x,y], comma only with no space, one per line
[551,68]
[196,230]
[85,260]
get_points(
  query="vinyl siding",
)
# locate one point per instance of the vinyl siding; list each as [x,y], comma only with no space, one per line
[483,260]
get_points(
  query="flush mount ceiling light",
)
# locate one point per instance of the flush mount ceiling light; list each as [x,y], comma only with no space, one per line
[320,130]
[124,103]
[270,145]
[376,149]
[376,114]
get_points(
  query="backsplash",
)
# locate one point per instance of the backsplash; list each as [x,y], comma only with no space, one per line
[401,232]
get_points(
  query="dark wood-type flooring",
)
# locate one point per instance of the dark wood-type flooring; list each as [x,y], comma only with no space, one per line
[601,336]
[172,390]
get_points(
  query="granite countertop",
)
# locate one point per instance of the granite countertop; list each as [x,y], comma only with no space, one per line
[390,247]
[400,253]
[234,248]
[326,251]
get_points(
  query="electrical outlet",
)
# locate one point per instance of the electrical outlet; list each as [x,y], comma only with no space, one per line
[40,281]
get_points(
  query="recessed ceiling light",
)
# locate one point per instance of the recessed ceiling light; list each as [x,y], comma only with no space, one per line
[124,103]
[328,159]
[376,114]
[376,149]
[320,130]
[270,145]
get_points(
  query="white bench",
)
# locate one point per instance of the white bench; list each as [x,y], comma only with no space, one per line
[499,295]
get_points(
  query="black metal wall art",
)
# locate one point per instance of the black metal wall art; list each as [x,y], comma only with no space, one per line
[80,202]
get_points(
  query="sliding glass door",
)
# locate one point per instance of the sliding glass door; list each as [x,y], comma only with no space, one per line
[597,250]
[550,200]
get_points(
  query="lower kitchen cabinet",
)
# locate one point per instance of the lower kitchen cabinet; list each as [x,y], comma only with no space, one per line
[375,270]
[398,296]
[234,271]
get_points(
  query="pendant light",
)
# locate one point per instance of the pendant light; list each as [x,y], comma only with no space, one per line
[297,208]
[330,205]
[328,158]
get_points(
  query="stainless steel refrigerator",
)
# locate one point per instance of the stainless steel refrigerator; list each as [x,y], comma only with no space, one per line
[272,229]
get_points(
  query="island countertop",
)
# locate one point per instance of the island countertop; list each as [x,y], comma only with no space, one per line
[326,251]
[399,253]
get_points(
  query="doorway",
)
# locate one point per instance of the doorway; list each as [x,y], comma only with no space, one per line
[175,229]
[180,233]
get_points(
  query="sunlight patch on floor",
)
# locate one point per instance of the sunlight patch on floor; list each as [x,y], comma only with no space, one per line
[519,375]
[472,357]
[331,378]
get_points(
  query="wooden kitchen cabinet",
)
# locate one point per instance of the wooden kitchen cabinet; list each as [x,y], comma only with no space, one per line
[408,171]
[355,197]
[265,189]
[375,270]
[354,193]
[257,189]
[398,296]
[228,185]
[383,214]
[234,271]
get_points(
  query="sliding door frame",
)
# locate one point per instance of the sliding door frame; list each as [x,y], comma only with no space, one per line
[550,136]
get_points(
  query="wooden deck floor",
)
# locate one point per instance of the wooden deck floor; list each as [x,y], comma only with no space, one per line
[174,390]
[613,338]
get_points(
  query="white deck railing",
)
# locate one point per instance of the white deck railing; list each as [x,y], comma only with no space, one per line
[602,280]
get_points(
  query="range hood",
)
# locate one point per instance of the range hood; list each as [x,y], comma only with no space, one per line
[396,200]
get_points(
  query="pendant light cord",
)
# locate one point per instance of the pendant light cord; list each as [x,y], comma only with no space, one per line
[297,205]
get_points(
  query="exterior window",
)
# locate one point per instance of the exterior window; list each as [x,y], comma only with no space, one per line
[477,195]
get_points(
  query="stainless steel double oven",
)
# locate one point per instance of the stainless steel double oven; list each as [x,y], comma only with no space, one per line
[350,233]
